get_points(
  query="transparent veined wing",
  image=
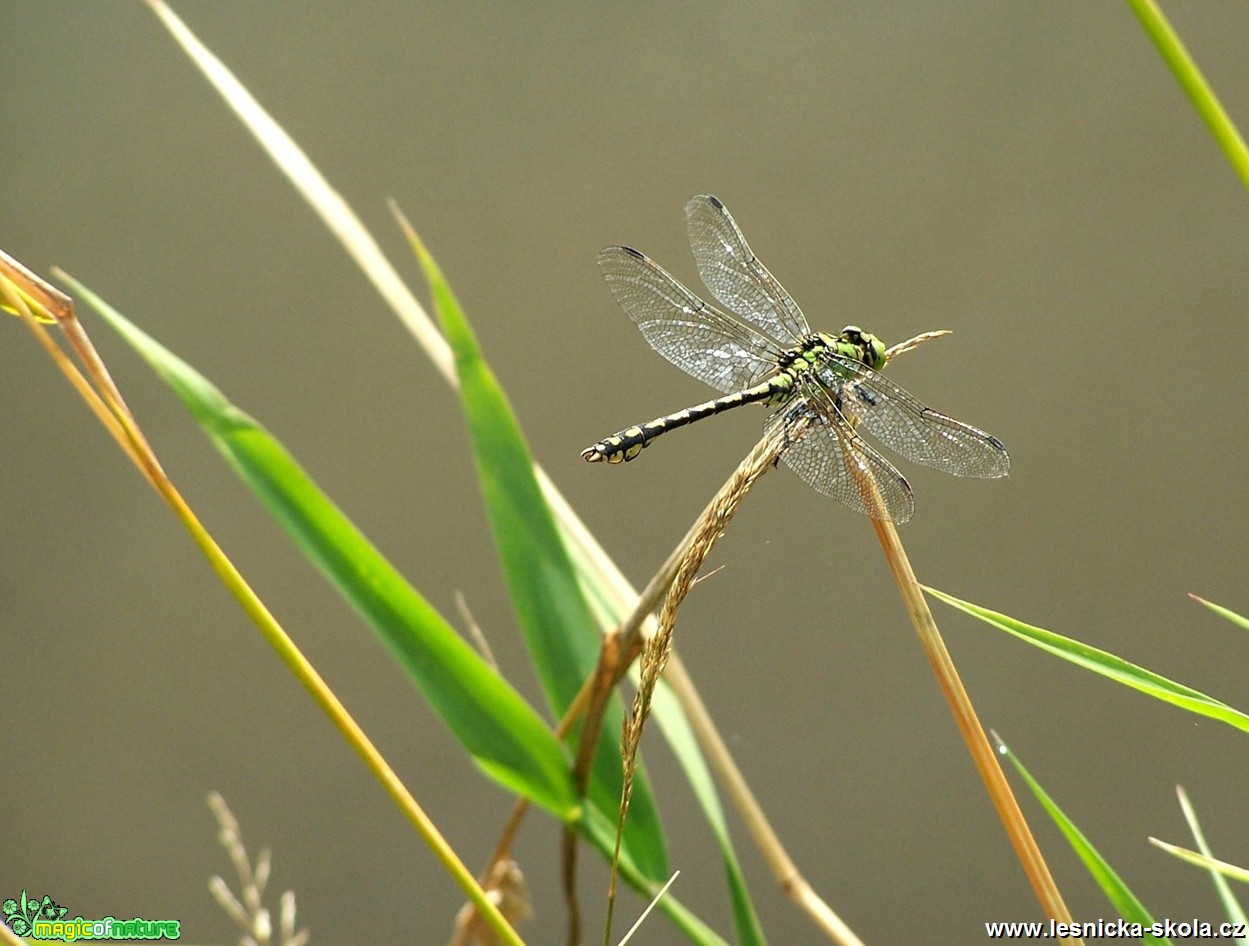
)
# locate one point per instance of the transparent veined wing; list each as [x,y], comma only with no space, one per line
[820,446]
[734,274]
[698,339]
[910,428]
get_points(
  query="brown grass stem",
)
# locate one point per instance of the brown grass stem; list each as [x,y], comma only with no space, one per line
[985,759]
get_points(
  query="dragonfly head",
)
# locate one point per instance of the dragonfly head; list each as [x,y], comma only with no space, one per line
[867,347]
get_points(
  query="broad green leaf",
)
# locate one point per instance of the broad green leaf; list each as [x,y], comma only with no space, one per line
[504,735]
[1107,664]
[1130,908]
[559,628]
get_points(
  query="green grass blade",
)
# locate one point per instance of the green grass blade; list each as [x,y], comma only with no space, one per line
[504,735]
[560,630]
[1237,619]
[1194,84]
[1105,663]
[1129,907]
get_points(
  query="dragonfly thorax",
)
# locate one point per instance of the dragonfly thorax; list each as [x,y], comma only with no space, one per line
[853,343]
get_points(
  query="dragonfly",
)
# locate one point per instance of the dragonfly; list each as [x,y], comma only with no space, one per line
[824,390]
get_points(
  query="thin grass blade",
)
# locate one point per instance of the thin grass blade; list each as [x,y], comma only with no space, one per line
[1219,870]
[1204,861]
[1104,663]
[1239,620]
[1112,885]
[684,745]
[1182,65]
[601,832]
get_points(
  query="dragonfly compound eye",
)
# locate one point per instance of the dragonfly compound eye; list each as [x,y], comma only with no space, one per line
[875,351]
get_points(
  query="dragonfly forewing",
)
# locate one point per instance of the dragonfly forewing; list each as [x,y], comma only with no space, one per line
[735,275]
[699,339]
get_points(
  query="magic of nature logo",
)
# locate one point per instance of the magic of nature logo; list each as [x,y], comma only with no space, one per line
[45,920]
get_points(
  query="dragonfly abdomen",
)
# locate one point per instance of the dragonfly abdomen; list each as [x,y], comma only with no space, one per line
[628,443]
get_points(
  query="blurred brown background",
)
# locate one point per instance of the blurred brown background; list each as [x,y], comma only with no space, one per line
[1028,175]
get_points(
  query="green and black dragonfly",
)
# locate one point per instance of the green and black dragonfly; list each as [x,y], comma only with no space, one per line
[824,388]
